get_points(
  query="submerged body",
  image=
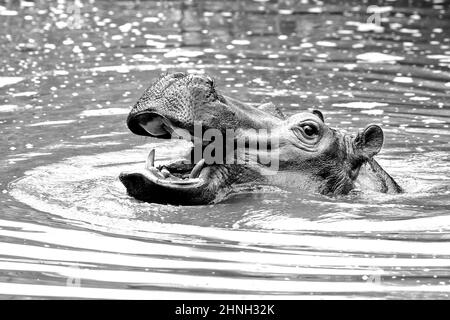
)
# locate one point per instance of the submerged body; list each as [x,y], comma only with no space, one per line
[235,144]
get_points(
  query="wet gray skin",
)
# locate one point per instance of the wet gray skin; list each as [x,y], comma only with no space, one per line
[300,151]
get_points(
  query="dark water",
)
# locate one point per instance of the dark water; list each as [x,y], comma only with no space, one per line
[67,80]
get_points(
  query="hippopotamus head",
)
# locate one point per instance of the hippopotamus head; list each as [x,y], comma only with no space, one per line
[234,143]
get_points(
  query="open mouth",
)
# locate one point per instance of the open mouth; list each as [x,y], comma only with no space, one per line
[176,173]
[179,182]
[175,183]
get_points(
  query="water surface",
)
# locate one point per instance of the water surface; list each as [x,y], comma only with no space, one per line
[67,227]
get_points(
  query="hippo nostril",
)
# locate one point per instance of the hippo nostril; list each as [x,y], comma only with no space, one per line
[179,75]
[210,81]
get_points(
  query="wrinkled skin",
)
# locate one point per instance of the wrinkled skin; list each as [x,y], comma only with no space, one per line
[310,155]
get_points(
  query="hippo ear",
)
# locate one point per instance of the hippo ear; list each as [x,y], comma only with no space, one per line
[370,141]
[319,114]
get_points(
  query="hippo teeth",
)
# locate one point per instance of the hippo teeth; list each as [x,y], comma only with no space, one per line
[150,159]
[150,164]
[197,169]
[165,176]
[166,173]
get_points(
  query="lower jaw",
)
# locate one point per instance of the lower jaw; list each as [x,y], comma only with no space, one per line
[146,186]
[213,183]
[141,188]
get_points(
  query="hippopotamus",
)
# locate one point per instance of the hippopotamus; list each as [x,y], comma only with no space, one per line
[298,152]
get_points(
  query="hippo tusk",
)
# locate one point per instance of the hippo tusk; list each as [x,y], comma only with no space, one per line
[197,169]
[150,159]
[150,164]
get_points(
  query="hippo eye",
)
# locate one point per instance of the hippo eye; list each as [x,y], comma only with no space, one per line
[310,130]
[307,130]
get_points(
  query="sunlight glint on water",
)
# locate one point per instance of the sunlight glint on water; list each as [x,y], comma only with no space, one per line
[67,228]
